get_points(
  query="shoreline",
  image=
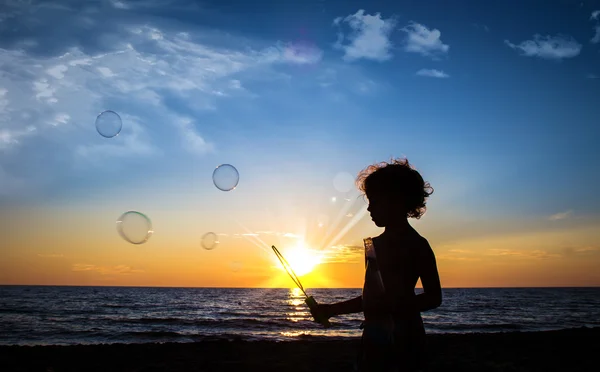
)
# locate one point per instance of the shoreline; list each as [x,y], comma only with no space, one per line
[561,350]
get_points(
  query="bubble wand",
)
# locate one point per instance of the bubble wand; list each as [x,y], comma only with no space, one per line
[310,301]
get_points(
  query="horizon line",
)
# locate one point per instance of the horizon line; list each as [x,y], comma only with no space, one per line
[213,287]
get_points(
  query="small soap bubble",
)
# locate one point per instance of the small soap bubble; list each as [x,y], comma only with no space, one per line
[333,199]
[134,227]
[226,177]
[109,124]
[343,182]
[210,240]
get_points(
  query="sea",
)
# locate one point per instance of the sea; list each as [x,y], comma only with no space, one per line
[47,315]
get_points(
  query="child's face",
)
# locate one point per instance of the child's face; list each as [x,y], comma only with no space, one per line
[384,209]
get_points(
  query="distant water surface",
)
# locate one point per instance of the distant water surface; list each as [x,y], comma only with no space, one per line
[38,315]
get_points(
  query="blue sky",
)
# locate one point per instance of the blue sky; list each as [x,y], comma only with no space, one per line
[495,102]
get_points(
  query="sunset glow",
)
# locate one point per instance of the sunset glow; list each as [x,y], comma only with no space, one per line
[302,259]
[496,108]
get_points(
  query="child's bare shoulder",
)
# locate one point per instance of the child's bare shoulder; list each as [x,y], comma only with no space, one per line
[420,244]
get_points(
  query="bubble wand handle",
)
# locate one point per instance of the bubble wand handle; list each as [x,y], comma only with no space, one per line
[310,301]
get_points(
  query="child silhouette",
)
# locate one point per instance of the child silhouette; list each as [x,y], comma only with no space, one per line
[393,332]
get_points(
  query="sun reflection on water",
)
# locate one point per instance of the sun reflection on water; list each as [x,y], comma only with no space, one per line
[295,302]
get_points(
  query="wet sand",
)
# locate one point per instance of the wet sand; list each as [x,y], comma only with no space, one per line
[566,350]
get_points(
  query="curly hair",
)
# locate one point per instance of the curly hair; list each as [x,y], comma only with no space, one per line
[396,177]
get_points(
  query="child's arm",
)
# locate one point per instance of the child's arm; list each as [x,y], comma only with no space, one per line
[345,307]
[430,279]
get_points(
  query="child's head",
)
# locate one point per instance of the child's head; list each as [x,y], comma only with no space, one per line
[395,190]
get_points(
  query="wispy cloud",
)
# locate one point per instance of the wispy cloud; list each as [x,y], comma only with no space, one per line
[459,255]
[106,270]
[592,76]
[532,254]
[343,254]
[548,47]
[581,251]
[193,141]
[119,4]
[300,53]
[596,38]
[432,73]
[481,27]
[149,65]
[560,216]
[51,255]
[425,41]
[596,17]
[158,79]
[369,37]
[133,141]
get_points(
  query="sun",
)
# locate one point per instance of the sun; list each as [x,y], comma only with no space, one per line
[302,259]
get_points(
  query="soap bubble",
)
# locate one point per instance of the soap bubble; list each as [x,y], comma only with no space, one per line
[210,241]
[109,124]
[343,182]
[135,227]
[226,177]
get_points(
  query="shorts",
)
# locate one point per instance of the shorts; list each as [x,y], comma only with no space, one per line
[399,351]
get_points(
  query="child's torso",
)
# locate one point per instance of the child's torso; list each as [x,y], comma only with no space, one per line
[397,263]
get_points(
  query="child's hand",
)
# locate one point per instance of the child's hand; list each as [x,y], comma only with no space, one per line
[322,311]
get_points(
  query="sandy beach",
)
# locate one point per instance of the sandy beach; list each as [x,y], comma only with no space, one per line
[565,350]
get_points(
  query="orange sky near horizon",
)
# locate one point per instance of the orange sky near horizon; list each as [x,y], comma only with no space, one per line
[84,249]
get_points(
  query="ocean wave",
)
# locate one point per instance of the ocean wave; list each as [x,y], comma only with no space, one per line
[457,327]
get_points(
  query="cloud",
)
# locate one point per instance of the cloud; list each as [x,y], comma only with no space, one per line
[159,79]
[548,47]
[596,38]
[560,216]
[106,270]
[459,255]
[343,254]
[422,40]
[592,76]
[300,53]
[533,254]
[581,251]
[119,4]
[50,255]
[365,87]
[369,37]
[193,141]
[132,141]
[481,26]
[274,233]
[432,73]
[596,17]
[12,137]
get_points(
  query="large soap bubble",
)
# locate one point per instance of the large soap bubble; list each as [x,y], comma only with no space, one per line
[226,177]
[210,241]
[109,124]
[134,227]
